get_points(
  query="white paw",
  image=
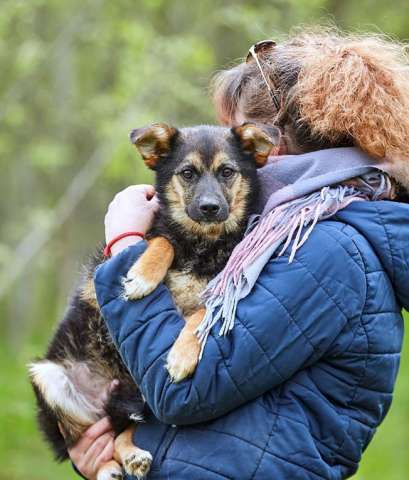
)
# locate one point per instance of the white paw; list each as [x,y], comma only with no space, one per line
[137,463]
[111,472]
[181,365]
[135,287]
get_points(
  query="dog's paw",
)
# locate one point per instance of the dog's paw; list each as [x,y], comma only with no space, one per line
[136,286]
[183,359]
[110,471]
[137,462]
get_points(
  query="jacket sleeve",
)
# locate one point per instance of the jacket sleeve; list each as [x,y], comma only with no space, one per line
[290,319]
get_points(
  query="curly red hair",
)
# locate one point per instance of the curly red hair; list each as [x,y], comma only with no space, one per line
[336,89]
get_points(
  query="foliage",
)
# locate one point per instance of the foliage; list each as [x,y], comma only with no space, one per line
[76,77]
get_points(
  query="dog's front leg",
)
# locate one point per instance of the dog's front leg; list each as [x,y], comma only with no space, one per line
[184,355]
[150,269]
[135,461]
[111,470]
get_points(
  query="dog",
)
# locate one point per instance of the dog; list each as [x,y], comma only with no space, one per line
[206,182]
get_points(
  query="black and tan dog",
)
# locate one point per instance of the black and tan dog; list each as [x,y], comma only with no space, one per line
[206,183]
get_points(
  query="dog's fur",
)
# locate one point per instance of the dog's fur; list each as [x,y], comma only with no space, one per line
[206,184]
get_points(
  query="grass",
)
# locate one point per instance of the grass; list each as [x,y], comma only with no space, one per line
[29,458]
[20,443]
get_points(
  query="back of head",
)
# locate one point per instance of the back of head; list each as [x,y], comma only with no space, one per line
[335,89]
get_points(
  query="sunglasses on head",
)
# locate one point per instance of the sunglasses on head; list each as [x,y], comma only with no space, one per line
[256,52]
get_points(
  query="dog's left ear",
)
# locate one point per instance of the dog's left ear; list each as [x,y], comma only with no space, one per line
[153,142]
[258,140]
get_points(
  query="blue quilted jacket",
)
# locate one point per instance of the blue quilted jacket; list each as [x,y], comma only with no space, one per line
[299,387]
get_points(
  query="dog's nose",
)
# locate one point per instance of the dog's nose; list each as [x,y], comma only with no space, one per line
[209,208]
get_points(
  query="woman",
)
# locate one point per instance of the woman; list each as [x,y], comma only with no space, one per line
[298,387]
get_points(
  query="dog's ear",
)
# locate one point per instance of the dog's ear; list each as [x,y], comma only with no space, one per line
[258,140]
[153,142]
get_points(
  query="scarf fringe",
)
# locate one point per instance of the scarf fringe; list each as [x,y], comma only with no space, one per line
[292,221]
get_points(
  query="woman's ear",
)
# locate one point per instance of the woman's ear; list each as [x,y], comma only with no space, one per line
[153,142]
[258,140]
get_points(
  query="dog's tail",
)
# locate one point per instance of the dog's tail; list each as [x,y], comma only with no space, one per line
[57,387]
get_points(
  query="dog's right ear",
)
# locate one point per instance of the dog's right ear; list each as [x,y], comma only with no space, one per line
[153,142]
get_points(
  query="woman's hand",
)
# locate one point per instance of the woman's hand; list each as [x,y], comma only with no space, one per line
[95,448]
[132,209]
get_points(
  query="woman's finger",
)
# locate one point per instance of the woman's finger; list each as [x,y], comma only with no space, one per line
[136,191]
[96,449]
[99,428]
[90,435]
[105,456]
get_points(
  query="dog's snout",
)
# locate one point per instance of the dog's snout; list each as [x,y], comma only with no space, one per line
[208,204]
[209,207]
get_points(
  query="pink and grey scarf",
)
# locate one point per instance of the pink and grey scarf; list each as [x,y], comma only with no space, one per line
[297,191]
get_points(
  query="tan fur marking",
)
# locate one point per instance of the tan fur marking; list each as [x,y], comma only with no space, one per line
[218,160]
[135,461]
[151,161]
[154,263]
[176,192]
[211,230]
[186,289]
[110,471]
[195,159]
[184,355]
[88,294]
[239,192]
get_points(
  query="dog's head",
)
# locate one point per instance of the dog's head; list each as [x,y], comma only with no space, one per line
[206,176]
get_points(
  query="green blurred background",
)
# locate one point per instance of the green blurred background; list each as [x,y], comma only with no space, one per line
[76,76]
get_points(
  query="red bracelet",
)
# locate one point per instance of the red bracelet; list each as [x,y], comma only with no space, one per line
[107,249]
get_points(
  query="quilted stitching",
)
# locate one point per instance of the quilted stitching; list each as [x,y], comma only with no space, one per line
[314,421]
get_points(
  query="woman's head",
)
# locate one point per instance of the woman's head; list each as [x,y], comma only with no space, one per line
[333,89]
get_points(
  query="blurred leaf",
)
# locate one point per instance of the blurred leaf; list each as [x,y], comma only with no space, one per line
[69,72]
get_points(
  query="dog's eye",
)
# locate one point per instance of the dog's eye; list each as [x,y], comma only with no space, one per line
[187,173]
[227,172]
